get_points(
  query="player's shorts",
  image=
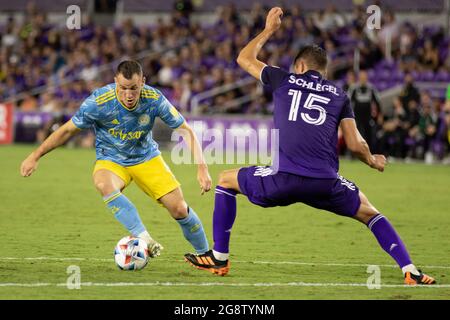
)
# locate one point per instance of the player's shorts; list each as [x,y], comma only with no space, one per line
[153,177]
[338,195]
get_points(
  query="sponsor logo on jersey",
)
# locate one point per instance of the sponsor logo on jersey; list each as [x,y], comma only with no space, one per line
[123,135]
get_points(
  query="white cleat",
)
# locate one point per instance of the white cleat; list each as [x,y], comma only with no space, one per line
[154,249]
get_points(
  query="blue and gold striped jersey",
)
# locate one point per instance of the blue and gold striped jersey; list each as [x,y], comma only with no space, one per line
[123,135]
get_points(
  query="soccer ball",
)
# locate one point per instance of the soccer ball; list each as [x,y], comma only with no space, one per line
[131,253]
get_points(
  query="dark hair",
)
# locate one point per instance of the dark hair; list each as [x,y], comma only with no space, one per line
[315,57]
[128,68]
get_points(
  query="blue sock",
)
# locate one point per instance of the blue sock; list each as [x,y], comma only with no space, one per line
[125,212]
[193,231]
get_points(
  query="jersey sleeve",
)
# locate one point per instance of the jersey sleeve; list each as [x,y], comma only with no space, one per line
[86,115]
[273,76]
[347,110]
[168,113]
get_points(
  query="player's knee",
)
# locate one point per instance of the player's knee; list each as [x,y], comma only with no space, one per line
[179,211]
[104,188]
[365,213]
[224,179]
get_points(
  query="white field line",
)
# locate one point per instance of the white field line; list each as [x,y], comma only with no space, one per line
[215,284]
[336,264]
[234,261]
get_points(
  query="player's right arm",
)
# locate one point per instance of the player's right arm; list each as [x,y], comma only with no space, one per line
[57,138]
[359,147]
[84,118]
[247,58]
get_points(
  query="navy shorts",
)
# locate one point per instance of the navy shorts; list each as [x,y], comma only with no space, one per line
[262,188]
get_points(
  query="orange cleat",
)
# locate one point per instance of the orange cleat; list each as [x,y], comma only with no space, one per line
[422,278]
[208,262]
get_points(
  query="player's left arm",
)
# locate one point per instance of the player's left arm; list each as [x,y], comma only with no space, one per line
[248,57]
[355,142]
[190,138]
[359,147]
[170,115]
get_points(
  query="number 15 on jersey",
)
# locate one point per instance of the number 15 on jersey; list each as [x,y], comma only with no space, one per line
[308,104]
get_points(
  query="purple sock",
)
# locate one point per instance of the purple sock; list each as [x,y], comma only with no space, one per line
[223,218]
[389,240]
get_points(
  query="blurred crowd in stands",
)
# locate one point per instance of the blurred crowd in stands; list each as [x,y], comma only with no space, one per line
[184,58]
[416,127]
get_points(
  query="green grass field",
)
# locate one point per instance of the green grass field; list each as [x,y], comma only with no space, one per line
[56,219]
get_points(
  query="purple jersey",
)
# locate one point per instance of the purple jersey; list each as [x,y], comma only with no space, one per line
[308,111]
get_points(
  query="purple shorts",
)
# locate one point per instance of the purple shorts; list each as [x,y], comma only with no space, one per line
[338,195]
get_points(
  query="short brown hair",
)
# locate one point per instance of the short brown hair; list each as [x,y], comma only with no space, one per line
[128,68]
[315,57]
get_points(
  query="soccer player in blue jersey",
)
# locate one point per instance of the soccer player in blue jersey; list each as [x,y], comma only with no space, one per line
[122,115]
[308,111]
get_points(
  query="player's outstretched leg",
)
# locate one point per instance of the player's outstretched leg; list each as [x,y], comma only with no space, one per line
[216,261]
[110,186]
[188,220]
[390,241]
[128,215]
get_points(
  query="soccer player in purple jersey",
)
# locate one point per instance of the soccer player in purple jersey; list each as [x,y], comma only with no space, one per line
[308,111]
